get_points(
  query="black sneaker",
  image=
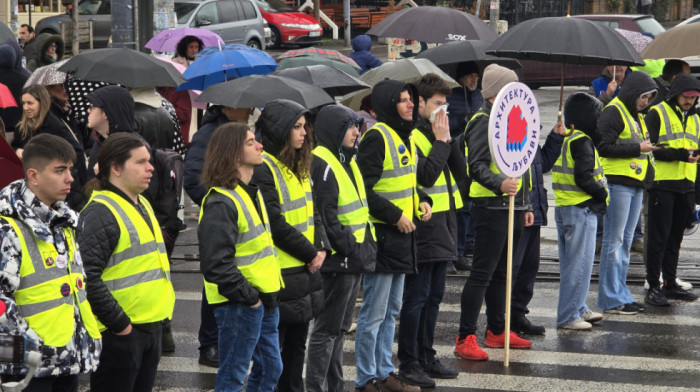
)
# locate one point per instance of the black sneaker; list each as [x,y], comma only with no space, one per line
[451,269]
[625,309]
[209,357]
[438,370]
[520,324]
[463,263]
[676,292]
[416,376]
[639,306]
[655,297]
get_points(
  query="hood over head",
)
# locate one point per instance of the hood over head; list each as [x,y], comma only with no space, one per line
[332,124]
[10,54]
[362,42]
[637,84]
[582,110]
[683,83]
[42,43]
[118,105]
[385,97]
[277,119]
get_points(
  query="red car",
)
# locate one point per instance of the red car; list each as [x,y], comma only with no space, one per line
[288,25]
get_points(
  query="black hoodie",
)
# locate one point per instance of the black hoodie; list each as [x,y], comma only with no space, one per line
[680,84]
[332,123]
[611,125]
[12,75]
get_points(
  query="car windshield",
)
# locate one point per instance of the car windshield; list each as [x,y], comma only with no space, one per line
[183,11]
[649,25]
[274,6]
[89,7]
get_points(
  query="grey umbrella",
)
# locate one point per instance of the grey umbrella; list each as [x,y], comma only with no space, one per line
[255,91]
[47,75]
[447,56]
[332,80]
[433,25]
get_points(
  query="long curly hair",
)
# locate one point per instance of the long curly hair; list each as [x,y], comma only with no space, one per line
[181,48]
[298,161]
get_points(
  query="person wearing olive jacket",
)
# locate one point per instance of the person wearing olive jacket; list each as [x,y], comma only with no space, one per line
[339,193]
[300,240]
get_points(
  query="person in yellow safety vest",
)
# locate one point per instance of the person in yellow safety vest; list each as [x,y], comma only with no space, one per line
[127,266]
[622,143]
[239,262]
[580,194]
[490,191]
[674,124]
[387,160]
[43,297]
[339,193]
[300,241]
[436,238]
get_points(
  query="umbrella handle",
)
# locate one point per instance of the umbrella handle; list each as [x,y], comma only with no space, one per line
[571,129]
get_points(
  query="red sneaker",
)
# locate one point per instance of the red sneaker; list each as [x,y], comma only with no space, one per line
[499,341]
[468,348]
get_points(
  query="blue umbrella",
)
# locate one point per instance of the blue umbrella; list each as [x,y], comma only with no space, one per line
[216,65]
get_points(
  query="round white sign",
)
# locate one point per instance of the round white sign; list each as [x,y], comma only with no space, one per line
[514,129]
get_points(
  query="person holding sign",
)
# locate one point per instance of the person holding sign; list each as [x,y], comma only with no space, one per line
[490,191]
[580,192]
[623,144]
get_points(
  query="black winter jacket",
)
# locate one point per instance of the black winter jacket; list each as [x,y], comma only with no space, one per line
[155,125]
[302,297]
[41,45]
[331,126]
[12,75]
[545,158]
[611,125]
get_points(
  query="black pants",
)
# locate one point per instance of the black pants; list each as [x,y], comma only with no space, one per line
[293,347]
[487,279]
[128,363]
[49,384]
[526,263]
[669,213]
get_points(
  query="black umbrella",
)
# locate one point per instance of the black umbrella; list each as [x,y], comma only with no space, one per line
[448,56]
[565,40]
[255,91]
[433,25]
[122,66]
[333,81]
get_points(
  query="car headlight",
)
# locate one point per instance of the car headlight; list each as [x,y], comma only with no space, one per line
[301,26]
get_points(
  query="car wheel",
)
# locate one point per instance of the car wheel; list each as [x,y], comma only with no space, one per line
[275,38]
[254,43]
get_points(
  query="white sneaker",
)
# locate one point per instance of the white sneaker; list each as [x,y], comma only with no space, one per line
[682,283]
[577,325]
[591,316]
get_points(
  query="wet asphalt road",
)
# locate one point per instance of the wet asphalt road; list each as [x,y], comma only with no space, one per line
[656,350]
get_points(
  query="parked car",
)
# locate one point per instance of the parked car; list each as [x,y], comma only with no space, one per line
[645,24]
[288,25]
[97,11]
[236,21]
[692,19]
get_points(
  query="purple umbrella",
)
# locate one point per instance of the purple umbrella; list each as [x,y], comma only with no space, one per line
[638,40]
[167,40]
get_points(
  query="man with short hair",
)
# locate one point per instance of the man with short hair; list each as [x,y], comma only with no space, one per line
[26,41]
[672,68]
[37,238]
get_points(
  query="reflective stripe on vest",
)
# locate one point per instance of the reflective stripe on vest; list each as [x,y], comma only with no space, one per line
[673,135]
[398,180]
[138,272]
[255,255]
[439,192]
[352,200]
[566,192]
[47,294]
[634,133]
[296,204]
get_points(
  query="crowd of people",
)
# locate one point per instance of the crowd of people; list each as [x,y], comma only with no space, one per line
[300,208]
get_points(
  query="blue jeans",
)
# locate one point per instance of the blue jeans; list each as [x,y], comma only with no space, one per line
[376,323]
[618,230]
[247,333]
[576,229]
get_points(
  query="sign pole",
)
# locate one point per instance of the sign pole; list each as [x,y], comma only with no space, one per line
[509,277]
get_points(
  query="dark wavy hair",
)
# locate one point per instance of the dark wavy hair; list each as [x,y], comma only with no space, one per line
[224,152]
[181,48]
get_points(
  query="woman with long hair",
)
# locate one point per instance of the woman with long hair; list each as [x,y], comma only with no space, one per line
[301,244]
[186,49]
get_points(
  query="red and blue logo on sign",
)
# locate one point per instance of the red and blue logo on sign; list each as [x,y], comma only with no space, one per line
[516,130]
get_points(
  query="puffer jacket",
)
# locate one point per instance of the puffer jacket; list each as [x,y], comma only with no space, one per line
[302,297]
[43,41]
[361,46]
[156,120]
[332,124]
[12,75]
[545,158]
[81,354]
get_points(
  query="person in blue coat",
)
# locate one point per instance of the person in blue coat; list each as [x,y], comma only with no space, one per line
[361,46]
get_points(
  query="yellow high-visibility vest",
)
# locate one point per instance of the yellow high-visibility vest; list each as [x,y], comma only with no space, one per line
[566,192]
[634,133]
[673,135]
[439,192]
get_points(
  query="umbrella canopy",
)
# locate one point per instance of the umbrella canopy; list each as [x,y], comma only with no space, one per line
[167,40]
[407,70]
[331,80]
[123,66]
[47,75]
[193,93]
[6,33]
[676,43]
[216,66]
[433,25]
[448,56]
[10,163]
[638,40]
[316,52]
[256,91]
[303,61]
[6,98]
